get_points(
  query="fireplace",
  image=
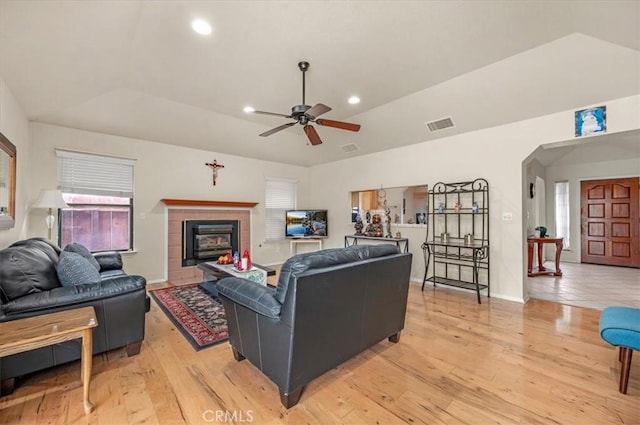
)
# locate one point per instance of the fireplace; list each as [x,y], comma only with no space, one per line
[206,240]
[179,211]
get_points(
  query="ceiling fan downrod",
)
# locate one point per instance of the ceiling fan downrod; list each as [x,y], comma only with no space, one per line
[304,66]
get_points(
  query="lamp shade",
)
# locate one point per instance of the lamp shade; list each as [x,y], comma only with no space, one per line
[50,198]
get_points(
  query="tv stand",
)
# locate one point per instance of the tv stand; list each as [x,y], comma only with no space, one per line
[295,241]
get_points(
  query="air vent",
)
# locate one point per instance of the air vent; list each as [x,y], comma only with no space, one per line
[350,147]
[440,124]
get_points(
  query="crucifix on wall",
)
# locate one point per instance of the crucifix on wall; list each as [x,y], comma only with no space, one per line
[214,167]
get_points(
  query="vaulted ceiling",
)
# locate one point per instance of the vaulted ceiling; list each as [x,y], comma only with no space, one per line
[136,68]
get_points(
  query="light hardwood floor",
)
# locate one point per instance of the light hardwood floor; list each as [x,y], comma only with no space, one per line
[457,362]
[588,285]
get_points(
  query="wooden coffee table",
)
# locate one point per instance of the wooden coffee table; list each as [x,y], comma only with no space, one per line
[30,333]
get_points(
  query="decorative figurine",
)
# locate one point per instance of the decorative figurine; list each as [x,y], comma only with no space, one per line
[387,213]
[375,227]
[441,208]
[457,207]
[358,226]
[474,208]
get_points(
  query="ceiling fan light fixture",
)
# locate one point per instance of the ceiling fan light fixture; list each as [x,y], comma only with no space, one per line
[248,109]
[201,26]
[354,100]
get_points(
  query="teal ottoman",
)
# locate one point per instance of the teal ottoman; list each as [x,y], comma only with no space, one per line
[620,327]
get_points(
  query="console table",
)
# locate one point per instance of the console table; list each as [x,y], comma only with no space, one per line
[541,269]
[401,243]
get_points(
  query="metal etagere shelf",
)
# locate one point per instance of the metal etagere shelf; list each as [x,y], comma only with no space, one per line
[457,242]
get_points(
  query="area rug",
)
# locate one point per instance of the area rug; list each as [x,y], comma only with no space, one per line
[197,315]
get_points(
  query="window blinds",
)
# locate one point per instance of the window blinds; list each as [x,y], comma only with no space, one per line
[94,174]
[280,195]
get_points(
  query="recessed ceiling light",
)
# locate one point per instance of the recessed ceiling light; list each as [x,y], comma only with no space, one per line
[354,100]
[248,109]
[201,26]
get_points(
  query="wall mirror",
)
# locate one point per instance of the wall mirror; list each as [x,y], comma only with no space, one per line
[7,183]
[407,204]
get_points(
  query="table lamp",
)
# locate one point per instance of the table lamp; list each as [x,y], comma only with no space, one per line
[50,198]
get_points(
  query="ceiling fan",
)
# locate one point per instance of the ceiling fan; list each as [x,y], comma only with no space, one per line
[304,115]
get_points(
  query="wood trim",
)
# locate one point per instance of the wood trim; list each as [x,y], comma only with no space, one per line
[202,203]
[8,221]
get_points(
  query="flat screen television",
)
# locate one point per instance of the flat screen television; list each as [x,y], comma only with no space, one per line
[306,224]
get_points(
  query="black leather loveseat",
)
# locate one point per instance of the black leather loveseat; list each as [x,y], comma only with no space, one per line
[328,306]
[29,286]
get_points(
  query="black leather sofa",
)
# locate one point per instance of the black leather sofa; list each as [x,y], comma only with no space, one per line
[29,286]
[327,307]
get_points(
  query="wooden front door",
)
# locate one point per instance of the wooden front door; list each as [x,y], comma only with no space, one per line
[610,222]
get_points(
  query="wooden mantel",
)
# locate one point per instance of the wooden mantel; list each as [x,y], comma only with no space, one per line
[201,203]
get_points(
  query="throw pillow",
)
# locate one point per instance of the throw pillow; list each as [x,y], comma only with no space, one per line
[74,269]
[82,250]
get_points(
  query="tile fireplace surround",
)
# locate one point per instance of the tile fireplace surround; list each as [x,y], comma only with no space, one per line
[178,212]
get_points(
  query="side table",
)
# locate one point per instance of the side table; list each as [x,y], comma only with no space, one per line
[541,269]
[293,244]
[34,332]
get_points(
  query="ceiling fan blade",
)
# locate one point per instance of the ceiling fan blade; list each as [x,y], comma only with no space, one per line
[317,110]
[278,128]
[312,134]
[271,113]
[339,124]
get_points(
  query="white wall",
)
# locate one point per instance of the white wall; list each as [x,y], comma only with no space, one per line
[496,154]
[574,174]
[535,170]
[165,171]
[15,127]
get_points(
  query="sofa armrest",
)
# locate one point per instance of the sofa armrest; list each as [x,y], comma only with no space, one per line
[253,296]
[110,260]
[36,303]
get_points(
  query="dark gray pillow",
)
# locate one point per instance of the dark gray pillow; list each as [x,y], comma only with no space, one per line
[74,269]
[82,250]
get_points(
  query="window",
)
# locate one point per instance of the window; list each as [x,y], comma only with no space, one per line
[562,212]
[280,195]
[99,192]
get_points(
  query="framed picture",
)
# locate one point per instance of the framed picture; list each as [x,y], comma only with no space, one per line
[591,121]
[420,218]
